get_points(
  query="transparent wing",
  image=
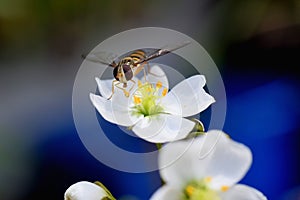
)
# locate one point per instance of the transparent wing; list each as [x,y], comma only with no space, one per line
[103,57]
[173,47]
[164,50]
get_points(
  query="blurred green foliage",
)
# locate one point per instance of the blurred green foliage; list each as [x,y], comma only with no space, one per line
[30,26]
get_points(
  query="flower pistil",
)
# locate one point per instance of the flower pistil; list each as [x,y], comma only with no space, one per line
[147,97]
[195,190]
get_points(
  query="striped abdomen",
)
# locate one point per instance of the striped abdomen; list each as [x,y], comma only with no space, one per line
[138,55]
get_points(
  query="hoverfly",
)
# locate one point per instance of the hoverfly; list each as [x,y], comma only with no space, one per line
[128,66]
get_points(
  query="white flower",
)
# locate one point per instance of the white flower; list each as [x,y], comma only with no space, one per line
[84,190]
[205,168]
[155,114]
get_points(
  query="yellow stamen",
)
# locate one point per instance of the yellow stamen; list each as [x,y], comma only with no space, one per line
[164,92]
[126,93]
[139,83]
[190,190]
[158,84]
[208,179]
[149,88]
[137,100]
[224,188]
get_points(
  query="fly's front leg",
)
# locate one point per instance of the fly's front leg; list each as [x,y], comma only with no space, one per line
[139,69]
[145,73]
[126,93]
[132,85]
[148,68]
[113,88]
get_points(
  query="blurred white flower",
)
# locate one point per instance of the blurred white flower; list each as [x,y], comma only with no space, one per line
[205,168]
[153,113]
[85,190]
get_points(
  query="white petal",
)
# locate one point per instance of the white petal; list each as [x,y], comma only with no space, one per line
[105,87]
[112,111]
[179,162]
[163,128]
[228,161]
[84,190]
[171,104]
[212,155]
[157,74]
[244,192]
[191,95]
[166,192]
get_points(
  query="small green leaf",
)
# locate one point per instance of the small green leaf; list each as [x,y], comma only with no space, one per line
[163,182]
[158,145]
[110,196]
[196,134]
[199,127]
[197,130]
[130,128]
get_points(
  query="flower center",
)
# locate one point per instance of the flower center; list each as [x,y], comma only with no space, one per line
[147,98]
[196,190]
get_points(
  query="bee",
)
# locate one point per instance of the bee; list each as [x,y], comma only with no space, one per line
[128,66]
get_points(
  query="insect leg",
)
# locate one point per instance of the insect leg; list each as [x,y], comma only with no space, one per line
[132,85]
[113,88]
[144,73]
[126,93]
[139,69]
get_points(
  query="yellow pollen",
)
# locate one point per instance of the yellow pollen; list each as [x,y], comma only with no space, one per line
[126,93]
[208,179]
[224,188]
[164,92]
[139,83]
[159,84]
[137,100]
[190,190]
[149,88]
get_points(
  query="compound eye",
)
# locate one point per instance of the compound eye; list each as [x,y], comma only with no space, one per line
[125,66]
[128,72]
